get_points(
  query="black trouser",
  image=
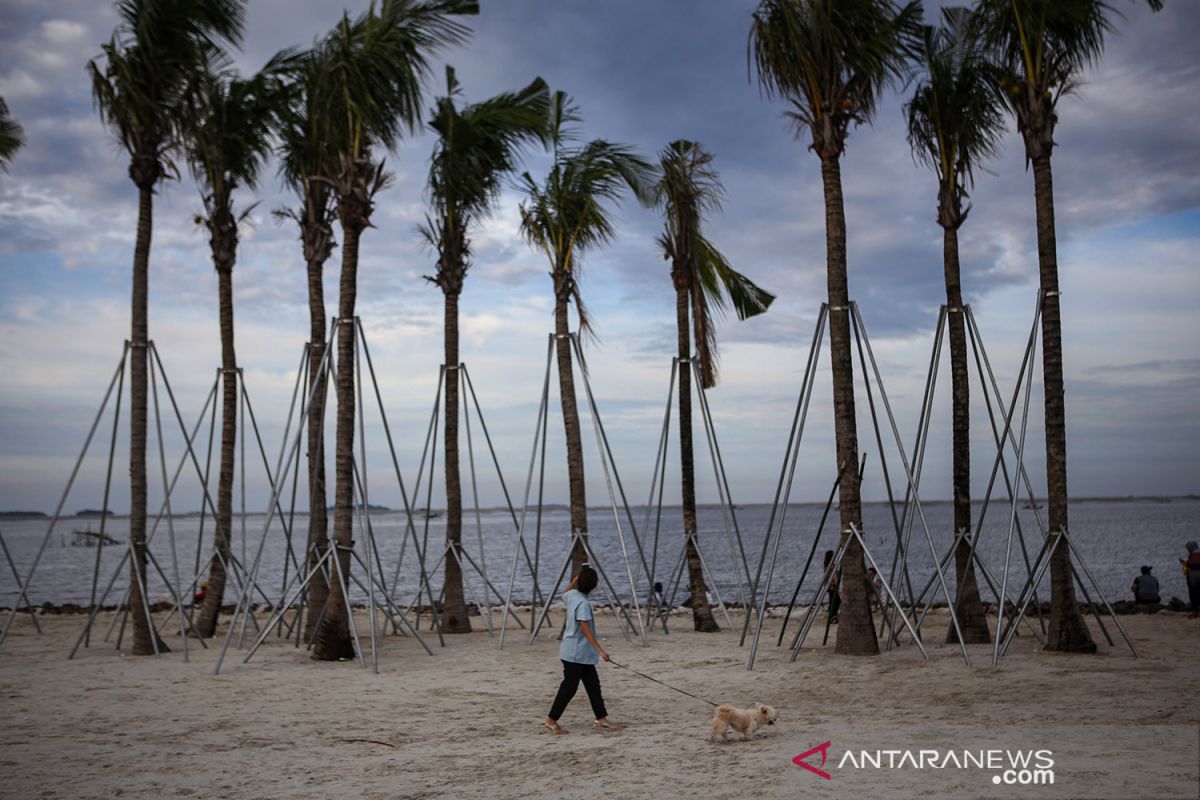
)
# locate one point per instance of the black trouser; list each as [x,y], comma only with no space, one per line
[572,674]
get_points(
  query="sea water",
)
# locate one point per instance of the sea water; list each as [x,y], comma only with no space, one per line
[1115,537]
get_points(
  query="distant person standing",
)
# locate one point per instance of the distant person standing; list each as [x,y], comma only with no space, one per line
[1145,588]
[834,593]
[875,583]
[1191,569]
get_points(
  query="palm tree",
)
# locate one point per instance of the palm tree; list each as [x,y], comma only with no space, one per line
[12,138]
[831,60]
[140,91]
[702,276]
[1041,47]
[954,123]
[374,69]
[564,217]
[306,158]
[226,133]
[476,147]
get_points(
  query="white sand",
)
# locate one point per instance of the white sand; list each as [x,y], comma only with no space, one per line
[466,722]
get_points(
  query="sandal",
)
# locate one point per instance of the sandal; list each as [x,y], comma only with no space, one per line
[555,728]
[609,727]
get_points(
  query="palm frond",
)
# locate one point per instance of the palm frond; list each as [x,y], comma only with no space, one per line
[12,137]
[476,147]
[227,124]
[480,144]
[832,59]
[374,67]
[1045,44]
[141,80]
[954,119]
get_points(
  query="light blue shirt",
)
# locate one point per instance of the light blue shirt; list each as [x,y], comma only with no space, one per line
[575,647]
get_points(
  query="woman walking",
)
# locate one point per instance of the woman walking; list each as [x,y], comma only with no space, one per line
[579,652]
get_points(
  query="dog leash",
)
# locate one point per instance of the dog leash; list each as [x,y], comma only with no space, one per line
[656,680]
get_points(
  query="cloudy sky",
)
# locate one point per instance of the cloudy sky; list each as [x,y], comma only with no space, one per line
[1127,180]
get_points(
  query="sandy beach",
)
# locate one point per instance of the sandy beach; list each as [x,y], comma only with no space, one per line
[465,722]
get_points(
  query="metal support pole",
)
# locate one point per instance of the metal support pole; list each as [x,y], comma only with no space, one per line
[13,568]
[657,480]
[543,412]
[286,454]
[816,539]
[605,457]
[792,455]
[23,594]
[410,528]
[860,330]
[1015,496]
[162,460]
[728,511]
[212,430]
[112,450]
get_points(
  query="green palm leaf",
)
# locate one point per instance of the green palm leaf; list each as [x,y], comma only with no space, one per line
[954,117]
[832,59]
[12,137]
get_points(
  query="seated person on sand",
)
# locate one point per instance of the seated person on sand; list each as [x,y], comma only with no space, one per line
[1145,588]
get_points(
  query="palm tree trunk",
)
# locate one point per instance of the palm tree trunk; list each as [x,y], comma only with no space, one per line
[856,631]
[570,411]
[702,615]
[333,640]
[1067,629]
[454,609]
[969,606]
[142,643]
[318,589]
[215,594]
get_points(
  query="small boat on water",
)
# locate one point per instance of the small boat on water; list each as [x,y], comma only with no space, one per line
[90,538]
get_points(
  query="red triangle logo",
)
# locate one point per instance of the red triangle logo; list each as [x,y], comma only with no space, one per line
[823,750]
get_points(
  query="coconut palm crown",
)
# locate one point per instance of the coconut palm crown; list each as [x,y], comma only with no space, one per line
[567,214]
[1041,48]
[476,147]
[831,60]
[954,118]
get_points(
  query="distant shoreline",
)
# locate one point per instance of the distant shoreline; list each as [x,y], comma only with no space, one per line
[96,515]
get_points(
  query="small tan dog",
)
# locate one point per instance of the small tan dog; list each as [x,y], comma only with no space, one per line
[743,720]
